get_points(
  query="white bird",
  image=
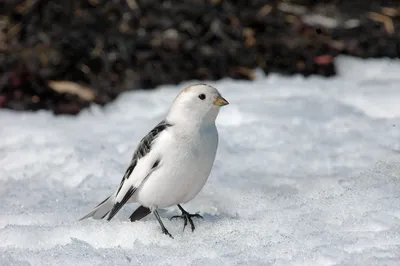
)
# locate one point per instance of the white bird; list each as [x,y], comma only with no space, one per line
[173,161]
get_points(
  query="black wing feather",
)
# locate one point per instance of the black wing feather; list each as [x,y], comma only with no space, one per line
[145,144]
[127,174]
[142,149]
[117,206]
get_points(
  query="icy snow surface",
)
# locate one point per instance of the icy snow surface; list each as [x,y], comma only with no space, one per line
[307,173]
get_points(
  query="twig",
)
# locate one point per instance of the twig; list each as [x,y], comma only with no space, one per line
[72,88]
[264,11]
[386,20]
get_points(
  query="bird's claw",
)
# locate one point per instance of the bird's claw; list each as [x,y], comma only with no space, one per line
[187,217]
[197,216]
[165,231]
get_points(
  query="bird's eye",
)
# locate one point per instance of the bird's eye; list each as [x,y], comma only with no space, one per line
[202,96]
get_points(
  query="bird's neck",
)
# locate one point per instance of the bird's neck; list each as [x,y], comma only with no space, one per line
[192,119]
[191,123]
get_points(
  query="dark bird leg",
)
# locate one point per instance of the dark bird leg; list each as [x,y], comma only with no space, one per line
[187,217]
[164,230]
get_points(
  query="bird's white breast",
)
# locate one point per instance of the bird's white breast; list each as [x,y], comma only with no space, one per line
[186,162]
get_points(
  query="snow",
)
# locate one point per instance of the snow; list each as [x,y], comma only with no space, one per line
[307,173]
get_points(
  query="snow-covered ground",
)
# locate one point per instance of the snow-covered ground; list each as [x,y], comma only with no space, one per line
[307,173]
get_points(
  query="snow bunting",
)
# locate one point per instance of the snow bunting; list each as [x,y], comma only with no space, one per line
[172,162]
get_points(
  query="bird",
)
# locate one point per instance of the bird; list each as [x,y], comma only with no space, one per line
[172,163]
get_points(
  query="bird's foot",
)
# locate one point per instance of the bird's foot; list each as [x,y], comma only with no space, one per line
[165,231]
[187,217]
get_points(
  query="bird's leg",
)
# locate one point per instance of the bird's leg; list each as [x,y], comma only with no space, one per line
[187,217]
[164,230]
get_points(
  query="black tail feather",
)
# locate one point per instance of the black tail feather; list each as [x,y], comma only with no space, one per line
[139,213]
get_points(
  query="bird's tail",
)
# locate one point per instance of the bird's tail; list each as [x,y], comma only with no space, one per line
[101,210]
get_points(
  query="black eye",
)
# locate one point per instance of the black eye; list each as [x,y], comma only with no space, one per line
[202,96]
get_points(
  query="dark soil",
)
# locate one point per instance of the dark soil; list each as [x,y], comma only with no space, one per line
[63,55]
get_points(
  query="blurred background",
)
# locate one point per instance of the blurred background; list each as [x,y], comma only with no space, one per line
[63,55]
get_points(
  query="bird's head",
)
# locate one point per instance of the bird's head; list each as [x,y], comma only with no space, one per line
[200,102]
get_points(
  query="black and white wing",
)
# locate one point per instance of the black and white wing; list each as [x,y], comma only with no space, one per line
[138,170]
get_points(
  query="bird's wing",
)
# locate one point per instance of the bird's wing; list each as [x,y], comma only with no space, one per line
[140,168]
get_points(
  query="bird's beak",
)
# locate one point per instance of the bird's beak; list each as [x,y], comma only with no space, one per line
[220,101]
